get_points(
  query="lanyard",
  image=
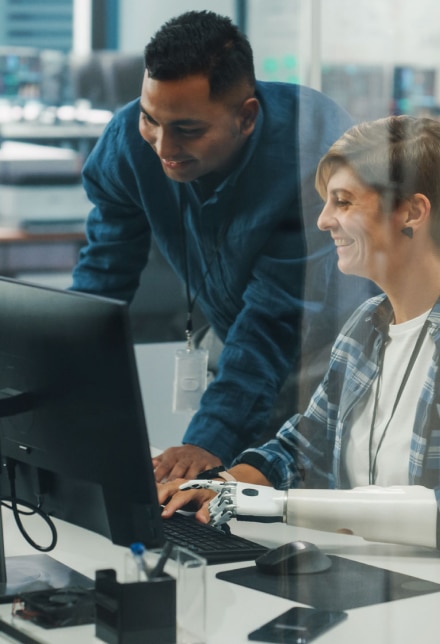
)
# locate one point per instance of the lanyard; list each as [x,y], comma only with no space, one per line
[413,357]
[220,239]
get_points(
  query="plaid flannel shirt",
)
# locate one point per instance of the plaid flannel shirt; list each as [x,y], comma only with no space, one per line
[307,449]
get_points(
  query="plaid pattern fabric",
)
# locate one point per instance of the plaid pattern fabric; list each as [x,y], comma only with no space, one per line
[307,449]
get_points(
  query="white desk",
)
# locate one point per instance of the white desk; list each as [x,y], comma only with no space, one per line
[234,611]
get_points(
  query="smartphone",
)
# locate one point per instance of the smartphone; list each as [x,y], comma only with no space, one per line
[298,625]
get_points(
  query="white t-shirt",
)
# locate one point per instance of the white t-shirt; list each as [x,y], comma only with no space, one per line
[393,456]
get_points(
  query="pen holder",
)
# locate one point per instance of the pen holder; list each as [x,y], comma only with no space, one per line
[142,612]
[189,571]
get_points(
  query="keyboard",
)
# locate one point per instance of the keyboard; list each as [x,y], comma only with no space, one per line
[216,546]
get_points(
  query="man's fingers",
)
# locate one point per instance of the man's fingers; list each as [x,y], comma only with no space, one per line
[185,461]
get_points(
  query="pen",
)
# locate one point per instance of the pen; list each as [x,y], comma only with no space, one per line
[137,550]
[158,568]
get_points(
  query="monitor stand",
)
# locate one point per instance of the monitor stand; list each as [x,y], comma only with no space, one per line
[29,573]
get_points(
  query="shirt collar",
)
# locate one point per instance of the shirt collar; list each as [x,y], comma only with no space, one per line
[383,314]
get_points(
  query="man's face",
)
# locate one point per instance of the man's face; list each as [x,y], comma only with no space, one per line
[192,134]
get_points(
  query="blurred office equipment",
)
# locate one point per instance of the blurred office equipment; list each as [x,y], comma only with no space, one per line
[414,91]
[349,85]
[20,73]
[105,79]
[43,207]
[41,188]
[42,24]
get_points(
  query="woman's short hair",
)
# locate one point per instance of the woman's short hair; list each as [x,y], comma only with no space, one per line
[396,156]
[201,42]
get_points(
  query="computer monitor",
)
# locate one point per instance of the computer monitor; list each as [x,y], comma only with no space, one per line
[20,74]
[414,91]
[72,423]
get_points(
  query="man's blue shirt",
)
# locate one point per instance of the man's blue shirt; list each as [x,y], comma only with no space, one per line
[265,277]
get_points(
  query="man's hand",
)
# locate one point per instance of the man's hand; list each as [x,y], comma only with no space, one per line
[174,499]
[185,461]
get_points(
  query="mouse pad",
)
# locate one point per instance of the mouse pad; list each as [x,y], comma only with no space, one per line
[346,584]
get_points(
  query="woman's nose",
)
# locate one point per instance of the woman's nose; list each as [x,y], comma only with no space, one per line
[325,219]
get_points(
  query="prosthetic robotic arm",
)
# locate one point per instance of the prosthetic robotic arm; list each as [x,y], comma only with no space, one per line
[397,514]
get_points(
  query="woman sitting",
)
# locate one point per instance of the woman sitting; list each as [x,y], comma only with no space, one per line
[365,455]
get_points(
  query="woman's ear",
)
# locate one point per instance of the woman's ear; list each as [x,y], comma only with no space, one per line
[416,211]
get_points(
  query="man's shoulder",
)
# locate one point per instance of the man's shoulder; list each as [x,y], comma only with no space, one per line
[124,119]
[121,140]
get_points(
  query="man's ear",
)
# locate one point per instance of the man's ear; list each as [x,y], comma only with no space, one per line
[248,115]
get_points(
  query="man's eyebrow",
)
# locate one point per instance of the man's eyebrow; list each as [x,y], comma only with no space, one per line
[144,111]
[177,121]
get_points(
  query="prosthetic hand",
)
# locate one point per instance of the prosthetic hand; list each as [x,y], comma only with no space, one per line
[397,514]
[242,501]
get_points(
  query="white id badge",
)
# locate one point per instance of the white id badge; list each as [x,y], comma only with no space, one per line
[190,378]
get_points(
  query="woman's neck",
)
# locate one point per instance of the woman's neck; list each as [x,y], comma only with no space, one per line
[415,293]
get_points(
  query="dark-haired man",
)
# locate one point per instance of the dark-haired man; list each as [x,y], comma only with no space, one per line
[219,169]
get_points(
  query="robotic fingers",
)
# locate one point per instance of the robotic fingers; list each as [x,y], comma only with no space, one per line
[243,501]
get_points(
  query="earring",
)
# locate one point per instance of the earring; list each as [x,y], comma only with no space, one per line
[408,231]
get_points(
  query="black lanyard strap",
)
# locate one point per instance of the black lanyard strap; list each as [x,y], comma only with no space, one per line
[220,239]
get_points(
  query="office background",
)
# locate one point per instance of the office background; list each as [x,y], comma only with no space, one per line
[67,65]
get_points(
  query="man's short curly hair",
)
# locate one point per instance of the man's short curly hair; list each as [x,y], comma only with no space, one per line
[201,42]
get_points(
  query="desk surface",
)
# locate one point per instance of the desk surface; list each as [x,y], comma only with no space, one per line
[20,235]
[233,611]
[41,131]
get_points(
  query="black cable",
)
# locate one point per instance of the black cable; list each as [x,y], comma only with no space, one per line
[14,503]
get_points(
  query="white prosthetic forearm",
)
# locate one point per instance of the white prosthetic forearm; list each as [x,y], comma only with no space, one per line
[397,514]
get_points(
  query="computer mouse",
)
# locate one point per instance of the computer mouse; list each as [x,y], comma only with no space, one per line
[294,558]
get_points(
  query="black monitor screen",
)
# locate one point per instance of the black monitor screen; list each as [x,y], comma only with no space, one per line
[72,420]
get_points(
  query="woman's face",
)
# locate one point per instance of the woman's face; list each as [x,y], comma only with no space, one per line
[365,238]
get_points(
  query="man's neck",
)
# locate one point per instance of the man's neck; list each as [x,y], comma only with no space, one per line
[206,185]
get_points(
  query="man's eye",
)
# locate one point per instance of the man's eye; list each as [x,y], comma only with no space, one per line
[191,133]
[147,119]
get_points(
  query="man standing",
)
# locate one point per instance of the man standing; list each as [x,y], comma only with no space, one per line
[219,169]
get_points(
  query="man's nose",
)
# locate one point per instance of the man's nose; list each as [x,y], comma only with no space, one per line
[165,144]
